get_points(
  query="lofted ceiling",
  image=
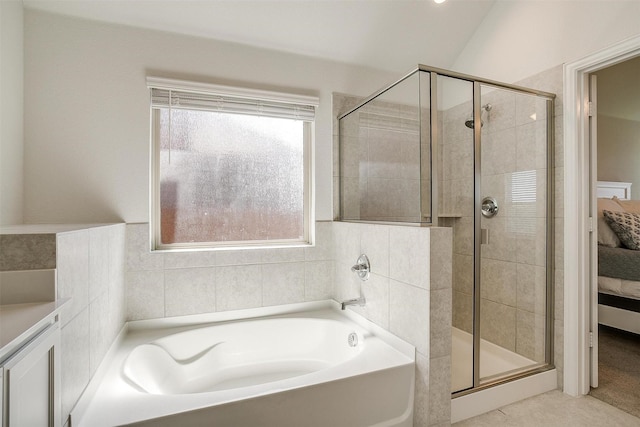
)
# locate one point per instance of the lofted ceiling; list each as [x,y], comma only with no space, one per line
[391,35]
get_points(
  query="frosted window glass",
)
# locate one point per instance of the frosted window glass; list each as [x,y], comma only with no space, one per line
[230,177]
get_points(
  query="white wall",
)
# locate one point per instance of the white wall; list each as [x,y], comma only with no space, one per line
[87,109]
[619,124]
[619,151]
[518,39]
[11,112]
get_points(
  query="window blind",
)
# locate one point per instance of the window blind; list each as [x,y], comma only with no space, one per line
[181,99]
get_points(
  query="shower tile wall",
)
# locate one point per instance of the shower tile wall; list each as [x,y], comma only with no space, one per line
[381,163]
[552,81]
[513,277]
[457,206]
[340,103]
[514,171]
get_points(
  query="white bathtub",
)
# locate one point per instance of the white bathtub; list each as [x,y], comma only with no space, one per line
[315,367]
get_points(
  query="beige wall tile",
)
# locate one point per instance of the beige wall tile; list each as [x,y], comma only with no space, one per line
[238,287]
[283,283]
[99,261]
[75,365]
[145,294]
[498,324]
[189,291]
[99,331]
[139,256]
[439,380]
[409,249]
[374,242]
[530,335]
[73,272]
[319,280]
[189,259]
[376,292]
[421,392]
[441,266]
[409,314]
[498,280]
[323,248]
[440,322]
[532,288]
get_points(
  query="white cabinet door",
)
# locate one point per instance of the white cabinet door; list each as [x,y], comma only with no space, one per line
[32,383]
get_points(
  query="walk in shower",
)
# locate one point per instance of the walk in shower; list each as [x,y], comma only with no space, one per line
[447,149]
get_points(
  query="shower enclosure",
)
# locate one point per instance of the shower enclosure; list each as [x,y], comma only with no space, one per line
[448,149]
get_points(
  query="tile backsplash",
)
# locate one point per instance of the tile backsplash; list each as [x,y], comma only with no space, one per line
[163,284]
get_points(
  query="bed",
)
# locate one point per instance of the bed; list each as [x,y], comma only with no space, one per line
[618,266]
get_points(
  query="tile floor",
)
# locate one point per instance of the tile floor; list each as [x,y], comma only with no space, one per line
[553,409]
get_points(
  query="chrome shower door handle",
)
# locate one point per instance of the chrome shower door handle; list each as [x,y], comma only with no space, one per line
[484,236]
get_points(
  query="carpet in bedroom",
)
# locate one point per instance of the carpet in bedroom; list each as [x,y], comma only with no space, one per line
[618,369]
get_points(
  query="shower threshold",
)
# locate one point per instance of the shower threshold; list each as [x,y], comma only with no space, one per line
[495,361]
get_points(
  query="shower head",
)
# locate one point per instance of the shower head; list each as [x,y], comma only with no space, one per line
[486,107]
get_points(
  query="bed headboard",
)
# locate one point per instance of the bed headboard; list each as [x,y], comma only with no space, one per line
[608,189]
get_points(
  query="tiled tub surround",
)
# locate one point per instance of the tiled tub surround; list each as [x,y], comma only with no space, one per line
[409,294]
[165,284]
[90,270]
[404,294]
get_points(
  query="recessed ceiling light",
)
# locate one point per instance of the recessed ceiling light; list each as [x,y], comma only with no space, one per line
[439,1]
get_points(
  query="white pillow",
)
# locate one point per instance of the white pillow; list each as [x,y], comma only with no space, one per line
[606,236]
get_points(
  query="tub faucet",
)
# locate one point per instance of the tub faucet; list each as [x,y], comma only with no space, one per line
[356,301]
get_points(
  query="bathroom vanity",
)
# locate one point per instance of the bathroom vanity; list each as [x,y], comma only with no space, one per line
[29,349]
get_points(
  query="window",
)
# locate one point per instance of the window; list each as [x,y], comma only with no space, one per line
[230,167]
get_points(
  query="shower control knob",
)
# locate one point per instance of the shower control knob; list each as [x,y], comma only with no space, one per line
[489,207]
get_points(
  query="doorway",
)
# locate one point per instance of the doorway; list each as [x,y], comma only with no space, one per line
[615,144]
[579,184]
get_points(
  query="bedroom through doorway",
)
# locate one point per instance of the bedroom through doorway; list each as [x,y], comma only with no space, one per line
[615,259]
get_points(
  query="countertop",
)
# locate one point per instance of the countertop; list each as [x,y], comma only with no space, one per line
[20,322]
[46,228]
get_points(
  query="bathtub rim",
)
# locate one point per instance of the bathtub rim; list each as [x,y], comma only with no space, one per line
[81,406]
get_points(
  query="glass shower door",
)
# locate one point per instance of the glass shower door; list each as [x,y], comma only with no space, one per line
[514,224]
[455,141]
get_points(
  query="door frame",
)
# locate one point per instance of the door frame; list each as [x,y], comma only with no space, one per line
[578,185]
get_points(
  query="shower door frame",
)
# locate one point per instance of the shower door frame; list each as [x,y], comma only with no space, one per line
[477,82]
[550,267]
